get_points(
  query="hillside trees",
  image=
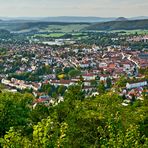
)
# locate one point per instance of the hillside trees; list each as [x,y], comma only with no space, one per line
[82,121]
[14,110]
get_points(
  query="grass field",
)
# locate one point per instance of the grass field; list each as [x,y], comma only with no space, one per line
[142,32]
[58,35]
[50,35]
[64,28]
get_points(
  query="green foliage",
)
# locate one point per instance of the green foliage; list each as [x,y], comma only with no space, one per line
[109,82]
[74,73]
[14,110]
[45,69]
[47,88]
[80,121]
[74,92]
[38,113]
[61,90]
[101,88]
[121,82]
[45,134]
[27,76]
[144,72]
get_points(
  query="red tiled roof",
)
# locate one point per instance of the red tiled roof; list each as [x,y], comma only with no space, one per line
[88,75]
[61,81]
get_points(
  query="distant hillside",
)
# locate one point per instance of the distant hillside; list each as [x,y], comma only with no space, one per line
[77,19]
[43,25]
[15,26]
[71,19]
[89,19]
[121,19]
[139,18]
[25,26]
[119,25]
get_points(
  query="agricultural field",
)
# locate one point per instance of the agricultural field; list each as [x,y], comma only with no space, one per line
[77,35]
[53,35]
[65,28]
[128,32]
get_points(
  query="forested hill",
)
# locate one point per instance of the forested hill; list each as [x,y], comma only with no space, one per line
[120,25]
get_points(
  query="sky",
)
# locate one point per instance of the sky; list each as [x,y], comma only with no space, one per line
[99,8]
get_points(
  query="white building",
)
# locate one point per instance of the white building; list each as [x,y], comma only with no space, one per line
[89,76]
[136,85]
[101,65]
[57,83]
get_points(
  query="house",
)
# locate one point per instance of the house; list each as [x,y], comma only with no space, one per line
[136,85]
[143,56]
[19,84]
[126,66]
[88,88]
[87,83]
[57,83]
[103,65]
[103,77]
[84,64]
[86,50]
[46,100]
[112,66]
[143,63]
[89,76]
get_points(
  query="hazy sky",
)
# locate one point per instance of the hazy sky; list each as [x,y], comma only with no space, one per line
[102,8]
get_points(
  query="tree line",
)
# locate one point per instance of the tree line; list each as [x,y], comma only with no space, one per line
[79,121]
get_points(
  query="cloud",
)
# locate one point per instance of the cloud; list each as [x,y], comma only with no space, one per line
[73,7]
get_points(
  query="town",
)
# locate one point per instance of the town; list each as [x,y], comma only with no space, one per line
[74,74]
[47,70]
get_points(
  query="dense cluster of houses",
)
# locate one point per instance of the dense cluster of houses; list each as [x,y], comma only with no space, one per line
[20,84]
[94,64]
[114,60]
[141,38]
[134,91]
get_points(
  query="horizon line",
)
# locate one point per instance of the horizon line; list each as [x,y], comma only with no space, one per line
[69,16]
